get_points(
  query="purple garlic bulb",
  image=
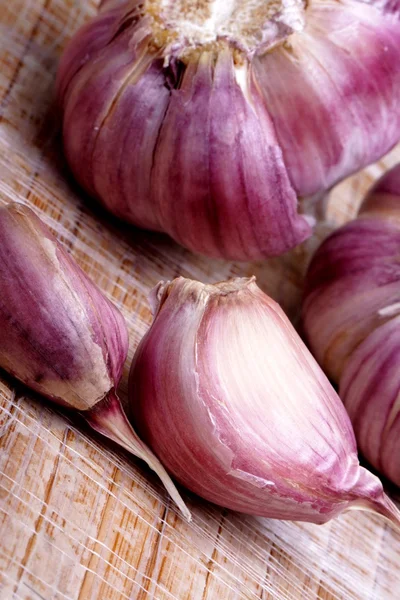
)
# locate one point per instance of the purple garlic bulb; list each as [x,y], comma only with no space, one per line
[209,120]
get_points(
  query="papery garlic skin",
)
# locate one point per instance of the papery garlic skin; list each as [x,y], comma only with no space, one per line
[226,394]
[351,320]
[59,335]
[208,122]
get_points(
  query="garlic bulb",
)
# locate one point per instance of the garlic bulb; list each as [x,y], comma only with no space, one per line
[351,317]
[207,120]
[60,336]
[226,394]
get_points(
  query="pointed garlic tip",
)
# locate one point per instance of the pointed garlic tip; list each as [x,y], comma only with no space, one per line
[179,116]
[387,509]
[60,336]
[109,419]
[210,394]
[373,499]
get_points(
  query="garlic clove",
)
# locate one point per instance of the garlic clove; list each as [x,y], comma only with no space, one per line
[214,121]
[150,96]
[321,91]
[93,37]
[210,394]
[96,89]
[60,336]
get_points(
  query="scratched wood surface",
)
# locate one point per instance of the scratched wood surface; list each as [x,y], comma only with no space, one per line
[78,519]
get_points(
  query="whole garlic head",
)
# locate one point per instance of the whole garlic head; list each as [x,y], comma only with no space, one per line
[207,120]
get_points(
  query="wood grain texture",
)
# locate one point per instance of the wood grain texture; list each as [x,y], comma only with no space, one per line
[78,519]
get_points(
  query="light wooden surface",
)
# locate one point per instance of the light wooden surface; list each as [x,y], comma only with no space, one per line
[78,519]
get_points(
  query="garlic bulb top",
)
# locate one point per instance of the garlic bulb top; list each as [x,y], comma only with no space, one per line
[351,317]
[228,397]
[208,120]
[59,334]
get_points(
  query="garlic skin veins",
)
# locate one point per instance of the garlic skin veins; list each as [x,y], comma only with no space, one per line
[351,317]
[208,121]
[60,336]
[228,397]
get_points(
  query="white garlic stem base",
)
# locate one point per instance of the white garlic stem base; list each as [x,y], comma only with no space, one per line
[246,23]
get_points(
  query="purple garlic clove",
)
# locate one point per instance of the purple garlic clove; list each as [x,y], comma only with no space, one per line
[59,335]
[226,394]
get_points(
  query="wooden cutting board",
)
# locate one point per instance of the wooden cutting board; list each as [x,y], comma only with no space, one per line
[78,519]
